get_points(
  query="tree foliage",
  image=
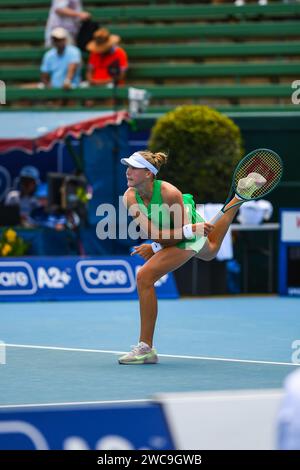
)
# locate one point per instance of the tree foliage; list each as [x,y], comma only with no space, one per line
[203,147]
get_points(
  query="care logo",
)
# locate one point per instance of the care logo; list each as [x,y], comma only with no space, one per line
[106,276]
[17,278]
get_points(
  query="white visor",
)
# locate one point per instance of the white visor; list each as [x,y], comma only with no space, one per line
[138,161]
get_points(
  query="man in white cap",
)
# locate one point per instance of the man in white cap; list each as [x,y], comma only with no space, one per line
[66,14]
[61,65]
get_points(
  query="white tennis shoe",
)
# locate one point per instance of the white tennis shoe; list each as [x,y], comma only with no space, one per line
[247,186]
[140,354]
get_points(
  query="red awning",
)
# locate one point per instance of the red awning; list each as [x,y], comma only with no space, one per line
[7,145]
[49,139]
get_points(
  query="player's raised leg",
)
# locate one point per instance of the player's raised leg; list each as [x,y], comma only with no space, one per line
[246,187]
[216,237]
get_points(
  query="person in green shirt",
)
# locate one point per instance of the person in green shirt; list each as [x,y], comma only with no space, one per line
[169,218]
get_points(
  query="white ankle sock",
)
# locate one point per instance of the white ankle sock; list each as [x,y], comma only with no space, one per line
[144,345]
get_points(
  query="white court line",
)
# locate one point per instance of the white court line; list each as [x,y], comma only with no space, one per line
[77,403]
[58,348]
[201,358]
[238,394]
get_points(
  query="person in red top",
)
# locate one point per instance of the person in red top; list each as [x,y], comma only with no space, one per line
[108,62]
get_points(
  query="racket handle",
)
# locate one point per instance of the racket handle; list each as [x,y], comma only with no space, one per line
[216,217]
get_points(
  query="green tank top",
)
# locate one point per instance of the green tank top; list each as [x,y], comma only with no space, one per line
[157,211]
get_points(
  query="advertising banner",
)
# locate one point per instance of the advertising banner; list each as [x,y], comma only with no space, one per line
[289,253]
[85,427]
[75,278]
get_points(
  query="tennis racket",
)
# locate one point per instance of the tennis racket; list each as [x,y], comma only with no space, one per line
[263,162]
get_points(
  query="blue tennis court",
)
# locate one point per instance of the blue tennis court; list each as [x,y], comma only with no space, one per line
[66,352]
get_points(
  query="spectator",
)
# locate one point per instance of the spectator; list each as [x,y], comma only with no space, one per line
[108,62]
[42,216]
[24,196]
[61,65]
[66,14]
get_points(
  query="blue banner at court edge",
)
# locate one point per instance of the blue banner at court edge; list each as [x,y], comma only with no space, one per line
[85,427]
[75,278]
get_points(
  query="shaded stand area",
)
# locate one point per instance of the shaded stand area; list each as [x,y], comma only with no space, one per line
[74,147]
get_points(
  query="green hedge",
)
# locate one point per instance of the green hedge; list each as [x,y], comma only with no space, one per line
[203,146]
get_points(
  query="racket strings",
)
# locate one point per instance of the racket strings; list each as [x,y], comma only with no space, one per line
[265,162]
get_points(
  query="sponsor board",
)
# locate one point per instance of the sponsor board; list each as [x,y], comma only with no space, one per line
[289,252]
[290,226]
[84,427]
[75,278]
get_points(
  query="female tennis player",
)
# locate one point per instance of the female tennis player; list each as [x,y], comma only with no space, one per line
[175,239]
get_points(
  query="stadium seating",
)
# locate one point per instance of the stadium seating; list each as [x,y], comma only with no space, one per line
[207,49]
[160,12]
[181,52]
[173,71]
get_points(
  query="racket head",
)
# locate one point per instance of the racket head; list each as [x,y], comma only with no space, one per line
[267,163]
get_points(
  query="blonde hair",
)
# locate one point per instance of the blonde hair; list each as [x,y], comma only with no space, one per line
[156,159]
